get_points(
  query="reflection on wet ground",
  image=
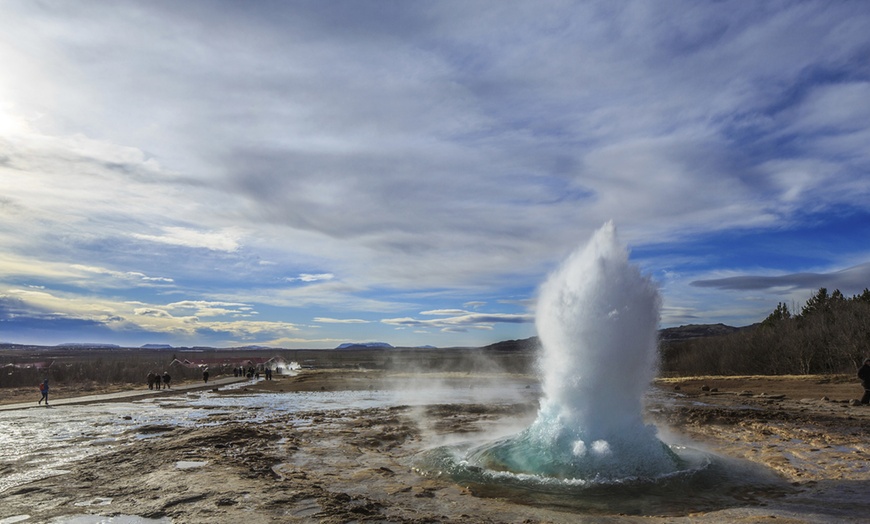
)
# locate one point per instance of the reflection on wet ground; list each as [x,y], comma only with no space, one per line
[38,443]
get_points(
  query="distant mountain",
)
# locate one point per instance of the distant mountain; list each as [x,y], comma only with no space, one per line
[364,345]
[87,345]
[697,331]
[425,347]
[156,346]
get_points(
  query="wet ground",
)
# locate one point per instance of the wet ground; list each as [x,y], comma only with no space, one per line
[351,447]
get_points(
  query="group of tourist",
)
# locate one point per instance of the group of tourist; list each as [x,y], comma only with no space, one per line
[242,372]
[156,381]
[252,372]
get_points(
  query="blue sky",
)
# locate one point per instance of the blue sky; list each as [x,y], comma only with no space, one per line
[303,174]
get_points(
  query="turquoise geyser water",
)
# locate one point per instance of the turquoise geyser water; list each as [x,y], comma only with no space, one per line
[597,319]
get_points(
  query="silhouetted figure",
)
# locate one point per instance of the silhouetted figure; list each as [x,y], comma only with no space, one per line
[166,379]
[43,388]
[152,379]
[864,375]
[205,376]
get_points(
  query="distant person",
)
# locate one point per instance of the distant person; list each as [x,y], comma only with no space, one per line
[166,379]
[205,376]
[268,373]
[43,388]
[236,372]
[864,375]
[152,379]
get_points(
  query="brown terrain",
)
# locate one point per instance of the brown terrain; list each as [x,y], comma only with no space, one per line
[360,465]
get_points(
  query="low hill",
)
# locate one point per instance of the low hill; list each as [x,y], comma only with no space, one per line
[692,331]
[524,344]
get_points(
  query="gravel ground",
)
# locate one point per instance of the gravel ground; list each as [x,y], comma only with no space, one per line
[358,465]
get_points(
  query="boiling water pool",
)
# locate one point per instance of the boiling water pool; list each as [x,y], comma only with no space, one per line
[703,482]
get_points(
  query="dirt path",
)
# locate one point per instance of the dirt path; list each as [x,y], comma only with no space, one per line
[117,393]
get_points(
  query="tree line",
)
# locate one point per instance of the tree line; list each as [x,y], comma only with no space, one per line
[830,335]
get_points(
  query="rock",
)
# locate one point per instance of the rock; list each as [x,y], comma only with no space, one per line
[705,387]
[772,397]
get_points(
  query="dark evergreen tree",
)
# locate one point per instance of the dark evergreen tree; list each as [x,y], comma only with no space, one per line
[818,303]
[779,314]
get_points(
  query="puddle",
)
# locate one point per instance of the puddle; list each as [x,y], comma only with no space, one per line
[117,519]
[190,464]
[15,518]
[97,501]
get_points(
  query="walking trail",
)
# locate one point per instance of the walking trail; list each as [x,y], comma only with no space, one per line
[123,395]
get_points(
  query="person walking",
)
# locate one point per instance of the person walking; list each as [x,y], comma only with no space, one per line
[43,388]
[205,375]
[864,375]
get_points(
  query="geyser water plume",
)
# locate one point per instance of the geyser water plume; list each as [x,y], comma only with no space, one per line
[597,320]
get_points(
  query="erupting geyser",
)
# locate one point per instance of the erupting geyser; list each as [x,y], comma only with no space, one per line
[589,447]
[597,320]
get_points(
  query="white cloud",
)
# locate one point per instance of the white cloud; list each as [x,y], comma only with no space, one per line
[326,320]
[226,240]
[311,277]
[462,321]
[124,275]
[444,312]
[152,312]
[205,303]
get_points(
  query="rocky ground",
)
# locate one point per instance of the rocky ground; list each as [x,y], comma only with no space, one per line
[358,465]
